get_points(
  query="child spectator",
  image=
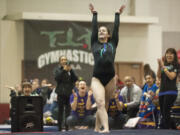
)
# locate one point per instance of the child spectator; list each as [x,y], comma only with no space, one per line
[115,115]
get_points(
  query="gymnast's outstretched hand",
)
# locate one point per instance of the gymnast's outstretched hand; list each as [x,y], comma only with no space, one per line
[121,9]
[91,8]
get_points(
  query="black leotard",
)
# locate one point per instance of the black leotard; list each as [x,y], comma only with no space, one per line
[104,53]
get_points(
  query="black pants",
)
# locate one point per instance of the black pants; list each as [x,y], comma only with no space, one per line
[166,102]
[63,103]
[131,112]
[89,120]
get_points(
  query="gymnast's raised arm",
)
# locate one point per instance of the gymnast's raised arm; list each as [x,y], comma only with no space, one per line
[94,36]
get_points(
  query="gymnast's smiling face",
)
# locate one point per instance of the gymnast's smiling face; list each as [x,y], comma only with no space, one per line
[103,34]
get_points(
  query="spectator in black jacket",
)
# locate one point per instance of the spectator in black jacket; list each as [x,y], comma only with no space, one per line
[65,78]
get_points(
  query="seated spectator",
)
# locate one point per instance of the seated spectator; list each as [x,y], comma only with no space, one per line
[148,70]
[45,90]
[27,89]
[50,109]
[81,103]
[147,108]
[115,115]
[131,94]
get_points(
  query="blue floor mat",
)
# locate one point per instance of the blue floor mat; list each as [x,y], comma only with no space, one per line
[53,130]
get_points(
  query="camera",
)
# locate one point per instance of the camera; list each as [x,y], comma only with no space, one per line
[68,63]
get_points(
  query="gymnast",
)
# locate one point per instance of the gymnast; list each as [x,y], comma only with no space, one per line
[103,84]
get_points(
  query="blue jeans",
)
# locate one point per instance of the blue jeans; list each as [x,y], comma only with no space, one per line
[50,107]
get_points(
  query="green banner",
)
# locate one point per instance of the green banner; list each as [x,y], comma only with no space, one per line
[46,41]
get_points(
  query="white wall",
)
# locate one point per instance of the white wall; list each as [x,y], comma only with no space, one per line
[142,8]
[66,6]
[11,56]
[167,11]
[140,43]
[2,13]
[2,8]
